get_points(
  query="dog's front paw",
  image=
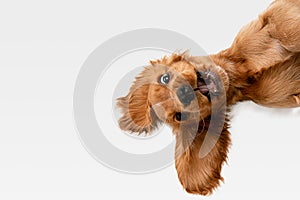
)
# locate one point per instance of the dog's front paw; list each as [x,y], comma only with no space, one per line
[297,99]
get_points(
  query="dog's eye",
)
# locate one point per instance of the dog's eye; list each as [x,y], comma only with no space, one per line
[164,79]
[181,116]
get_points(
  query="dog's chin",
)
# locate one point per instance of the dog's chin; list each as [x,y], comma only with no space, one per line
[212,82]
[207,84]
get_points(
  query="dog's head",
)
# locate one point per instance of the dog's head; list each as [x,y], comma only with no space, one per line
[178,90]
[182,91]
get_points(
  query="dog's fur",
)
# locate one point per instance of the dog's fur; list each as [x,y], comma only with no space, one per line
[262,65]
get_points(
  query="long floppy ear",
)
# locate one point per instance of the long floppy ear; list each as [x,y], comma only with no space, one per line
[137,114]
[198,173]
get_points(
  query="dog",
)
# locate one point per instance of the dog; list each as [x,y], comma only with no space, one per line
[193,94]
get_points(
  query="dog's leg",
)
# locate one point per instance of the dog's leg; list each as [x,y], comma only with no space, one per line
[289,102]
[297,99]
[279,86]
[271,39]
[284,17]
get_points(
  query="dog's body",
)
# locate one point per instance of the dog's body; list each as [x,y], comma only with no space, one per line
[263,63]
[194,94]
[274,86]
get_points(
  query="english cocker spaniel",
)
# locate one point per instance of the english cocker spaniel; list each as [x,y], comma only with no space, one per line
[193,94]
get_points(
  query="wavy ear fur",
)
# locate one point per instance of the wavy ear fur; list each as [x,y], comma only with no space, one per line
[137,114]
[197,174]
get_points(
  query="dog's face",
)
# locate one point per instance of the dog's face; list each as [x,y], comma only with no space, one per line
[183,91]
[178,90]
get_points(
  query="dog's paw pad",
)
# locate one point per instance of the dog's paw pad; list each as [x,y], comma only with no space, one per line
[297,98]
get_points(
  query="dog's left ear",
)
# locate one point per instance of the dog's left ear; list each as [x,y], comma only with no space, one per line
[199,159]
[137,114]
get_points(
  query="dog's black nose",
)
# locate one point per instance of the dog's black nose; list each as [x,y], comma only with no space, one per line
[185,94]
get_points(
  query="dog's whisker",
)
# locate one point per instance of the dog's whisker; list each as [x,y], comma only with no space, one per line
[203,125]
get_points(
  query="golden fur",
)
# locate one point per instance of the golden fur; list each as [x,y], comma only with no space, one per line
[262,65]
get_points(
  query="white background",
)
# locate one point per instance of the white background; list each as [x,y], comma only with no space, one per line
[42,47]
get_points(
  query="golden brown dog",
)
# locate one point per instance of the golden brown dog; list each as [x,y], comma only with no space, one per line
[193,94]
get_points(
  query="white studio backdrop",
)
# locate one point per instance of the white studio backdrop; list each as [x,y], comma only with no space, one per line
[43,46]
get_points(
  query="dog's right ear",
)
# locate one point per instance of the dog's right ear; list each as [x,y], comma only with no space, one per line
[137,114]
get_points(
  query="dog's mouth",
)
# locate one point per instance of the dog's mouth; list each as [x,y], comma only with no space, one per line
[207,84]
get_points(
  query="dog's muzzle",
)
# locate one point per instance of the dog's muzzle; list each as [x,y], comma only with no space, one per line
[185,94]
